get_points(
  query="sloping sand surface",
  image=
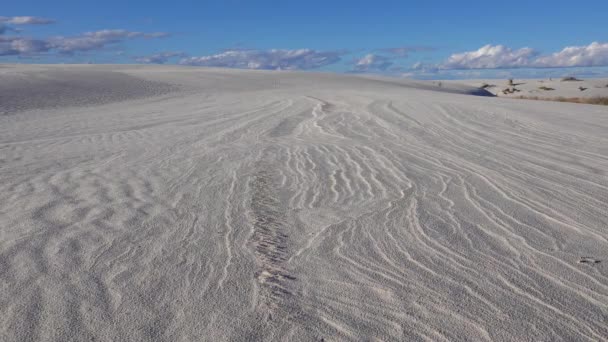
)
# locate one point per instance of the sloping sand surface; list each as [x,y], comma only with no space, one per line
[279,206]
[32,87]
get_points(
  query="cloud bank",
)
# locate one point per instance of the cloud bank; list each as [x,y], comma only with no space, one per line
[592,55]
[275,59]
[159,58]
[96,40]
[502,57]
[88,41]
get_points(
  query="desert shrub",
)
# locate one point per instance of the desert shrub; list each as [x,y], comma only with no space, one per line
[570,79]
[545,88]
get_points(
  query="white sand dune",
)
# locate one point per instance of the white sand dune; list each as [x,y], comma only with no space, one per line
[186,204]
[544,88]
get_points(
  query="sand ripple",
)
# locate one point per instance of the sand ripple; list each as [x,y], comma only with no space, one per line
[285,206]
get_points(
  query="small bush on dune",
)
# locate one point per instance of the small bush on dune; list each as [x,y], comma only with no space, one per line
[570,79]
[545,88]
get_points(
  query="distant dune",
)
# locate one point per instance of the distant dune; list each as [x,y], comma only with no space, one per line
[569,89]
[165,203]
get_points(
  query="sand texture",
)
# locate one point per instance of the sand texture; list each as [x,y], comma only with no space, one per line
[189,204]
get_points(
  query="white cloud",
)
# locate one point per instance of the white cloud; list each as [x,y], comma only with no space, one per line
[372,62]
[424,67]
[594,54]
[6,22]
[159,58]
[26,20]
[490,57]
[275,59]
[29,46]
[97,40]
[502,57]
[25,46]
[11,46]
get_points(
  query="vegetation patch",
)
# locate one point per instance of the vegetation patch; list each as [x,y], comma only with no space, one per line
[603,101]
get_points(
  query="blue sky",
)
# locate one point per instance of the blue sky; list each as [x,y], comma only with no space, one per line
[424,39]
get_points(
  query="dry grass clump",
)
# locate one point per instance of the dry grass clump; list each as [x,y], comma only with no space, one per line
[586,100]
[570,79]
[598,101]
[546,88]
[603,101]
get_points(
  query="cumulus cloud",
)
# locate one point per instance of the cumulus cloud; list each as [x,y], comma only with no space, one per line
[594,54]
[26,20]
[502,57]
[372,62]
[491,57]
[275,59]
[97,40]
[159,58]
